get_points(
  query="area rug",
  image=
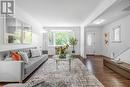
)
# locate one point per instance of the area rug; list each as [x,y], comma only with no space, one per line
[48,75]
[78,76]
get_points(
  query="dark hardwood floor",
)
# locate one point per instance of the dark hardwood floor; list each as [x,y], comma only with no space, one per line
[106,76]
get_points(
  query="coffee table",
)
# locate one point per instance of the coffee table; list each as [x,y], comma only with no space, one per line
[67,59]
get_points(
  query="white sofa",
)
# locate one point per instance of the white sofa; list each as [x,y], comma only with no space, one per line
[17,71]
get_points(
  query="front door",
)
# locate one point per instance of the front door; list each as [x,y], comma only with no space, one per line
[90,43]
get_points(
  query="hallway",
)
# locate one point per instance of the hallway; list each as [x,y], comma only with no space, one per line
[107,77]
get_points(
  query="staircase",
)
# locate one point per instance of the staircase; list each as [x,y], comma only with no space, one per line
[122,55]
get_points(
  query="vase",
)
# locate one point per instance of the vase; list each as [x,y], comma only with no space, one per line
[62,56]
[73,51]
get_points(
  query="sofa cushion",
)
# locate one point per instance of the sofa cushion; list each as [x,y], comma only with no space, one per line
[32,61]
[32,64]
[8,59]
[15,85]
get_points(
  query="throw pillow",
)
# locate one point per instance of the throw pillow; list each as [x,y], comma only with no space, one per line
[29,54]
[24,57]
[15,56]
[35,53]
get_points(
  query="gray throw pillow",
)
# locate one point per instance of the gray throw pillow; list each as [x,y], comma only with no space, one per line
[35,53]
[24,56]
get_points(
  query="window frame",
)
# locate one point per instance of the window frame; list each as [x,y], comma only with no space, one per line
[114,36]
[53,32]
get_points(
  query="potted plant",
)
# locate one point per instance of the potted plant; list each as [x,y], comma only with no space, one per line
[73,41]
[62,51]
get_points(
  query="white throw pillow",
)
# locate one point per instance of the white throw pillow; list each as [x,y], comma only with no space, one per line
[35,53]
[24,57]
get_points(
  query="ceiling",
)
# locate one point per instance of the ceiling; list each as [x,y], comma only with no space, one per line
[59,12]
[116,11]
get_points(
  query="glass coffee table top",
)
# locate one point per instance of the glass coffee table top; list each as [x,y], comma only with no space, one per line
[67,59]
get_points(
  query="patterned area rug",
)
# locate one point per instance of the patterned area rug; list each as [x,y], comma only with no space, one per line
[50,76]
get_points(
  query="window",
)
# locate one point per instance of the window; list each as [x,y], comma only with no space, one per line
[117,34]
[17,32]
[27,36]
[59,37]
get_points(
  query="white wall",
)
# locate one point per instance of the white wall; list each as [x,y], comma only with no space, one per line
[76,30]
[37,36]
[98,40]
[1,29]
[117,48]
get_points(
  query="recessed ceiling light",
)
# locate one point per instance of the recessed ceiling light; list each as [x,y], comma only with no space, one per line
[98,21]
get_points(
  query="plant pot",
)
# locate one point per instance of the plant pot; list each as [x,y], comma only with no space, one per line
[73,51]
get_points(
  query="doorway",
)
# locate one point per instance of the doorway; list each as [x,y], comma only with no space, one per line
[90,43]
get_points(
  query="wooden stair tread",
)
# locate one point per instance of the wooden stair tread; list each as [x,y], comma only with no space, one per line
[124,66]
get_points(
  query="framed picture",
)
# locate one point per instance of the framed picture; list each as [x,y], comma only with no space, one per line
[106,39]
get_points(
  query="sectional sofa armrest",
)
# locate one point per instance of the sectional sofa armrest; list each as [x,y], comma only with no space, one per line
[11,71]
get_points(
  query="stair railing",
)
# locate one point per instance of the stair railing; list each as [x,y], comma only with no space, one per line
[115,56]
